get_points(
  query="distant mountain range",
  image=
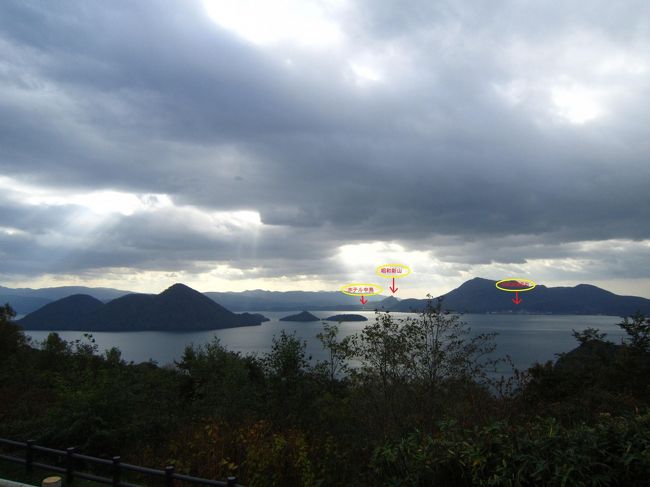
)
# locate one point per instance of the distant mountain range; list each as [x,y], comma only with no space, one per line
[259,300]
[178,308]
[53,293]
[474,296]
[26,300]
[481,296]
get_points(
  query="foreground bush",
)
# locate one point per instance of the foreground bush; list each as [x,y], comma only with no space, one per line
[614,451]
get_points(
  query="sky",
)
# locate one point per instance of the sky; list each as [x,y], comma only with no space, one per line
[299,144]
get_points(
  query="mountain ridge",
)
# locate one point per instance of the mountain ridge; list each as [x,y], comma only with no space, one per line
[479,295]
[178,308]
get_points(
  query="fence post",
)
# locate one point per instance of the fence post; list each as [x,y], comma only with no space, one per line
[69,465]
[232,481]
[116,471]
[169,476]
[29,455]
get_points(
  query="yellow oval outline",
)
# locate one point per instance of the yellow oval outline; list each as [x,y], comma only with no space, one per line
[363,284]
[516,279]
[391,275]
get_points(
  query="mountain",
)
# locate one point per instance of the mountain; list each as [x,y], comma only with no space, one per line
[481,296]
[388,303]
[259,300]
[64,314]
[304,316]
[405,305]
[178,308]
[474,296]
[26,300]
[54,293]
[23,304]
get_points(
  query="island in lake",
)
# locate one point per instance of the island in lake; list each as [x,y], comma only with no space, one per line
[346,317]
[178,308]
[303,317]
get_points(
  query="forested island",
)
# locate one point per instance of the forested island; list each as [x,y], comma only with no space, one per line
[303,316]
[177,308]
[346,317]
[416,411]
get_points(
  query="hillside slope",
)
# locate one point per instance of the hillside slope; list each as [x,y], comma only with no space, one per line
[178,308]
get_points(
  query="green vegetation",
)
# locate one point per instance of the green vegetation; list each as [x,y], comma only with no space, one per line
[346,317]
[404,402]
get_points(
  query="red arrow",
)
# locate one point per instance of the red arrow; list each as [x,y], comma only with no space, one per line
[363,300]
[393,288]
[517,300]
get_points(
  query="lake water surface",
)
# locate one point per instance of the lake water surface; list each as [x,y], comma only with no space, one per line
[526,338]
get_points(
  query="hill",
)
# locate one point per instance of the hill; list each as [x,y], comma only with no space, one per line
[23,304]
[388,303]
[26,300]
[54,293]
[480,295]
[303,316]
[259,300]
[178,308]
[346,317]
[64,314]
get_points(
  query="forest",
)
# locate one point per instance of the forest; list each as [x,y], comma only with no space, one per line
[418,401]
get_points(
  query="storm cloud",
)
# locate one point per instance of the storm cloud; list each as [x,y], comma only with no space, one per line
[185,136]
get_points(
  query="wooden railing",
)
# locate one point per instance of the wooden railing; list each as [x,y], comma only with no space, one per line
[116,466]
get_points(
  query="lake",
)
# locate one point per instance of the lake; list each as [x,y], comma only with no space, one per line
[526,338]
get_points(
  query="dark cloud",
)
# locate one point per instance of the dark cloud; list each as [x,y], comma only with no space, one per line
[460,140]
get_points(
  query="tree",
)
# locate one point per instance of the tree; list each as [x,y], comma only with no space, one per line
[637,328]
[597,376]
[12,338]
[588,334]
[339,352]
[433,347]
[55,345]
[288,358]
[292,388]
[216,381]
[634,356]
[444,349]
[411,368]
[6,313]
